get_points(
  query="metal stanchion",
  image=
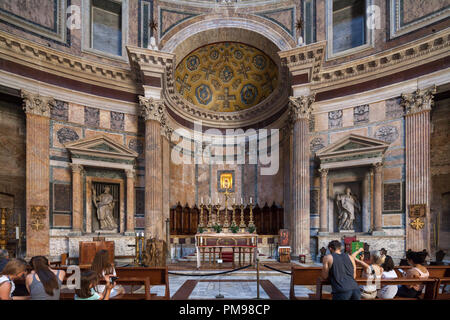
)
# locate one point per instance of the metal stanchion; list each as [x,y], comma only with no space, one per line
[257,275]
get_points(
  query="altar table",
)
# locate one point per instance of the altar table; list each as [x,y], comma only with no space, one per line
[239,243]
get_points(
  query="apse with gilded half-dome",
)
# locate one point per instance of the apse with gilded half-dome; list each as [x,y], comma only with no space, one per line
[226,77]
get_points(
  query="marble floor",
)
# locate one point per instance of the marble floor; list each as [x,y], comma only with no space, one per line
[239,285]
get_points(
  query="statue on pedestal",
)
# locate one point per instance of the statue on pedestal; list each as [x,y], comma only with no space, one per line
[347,204]
[105,205]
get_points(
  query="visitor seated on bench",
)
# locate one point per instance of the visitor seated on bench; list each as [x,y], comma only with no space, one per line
[416,260]
[340,269]
[15,269]
[88,281]
[102,267]
[388,292]
[44,283]
[372,272]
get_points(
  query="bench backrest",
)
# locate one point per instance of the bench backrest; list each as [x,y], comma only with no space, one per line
[156,275]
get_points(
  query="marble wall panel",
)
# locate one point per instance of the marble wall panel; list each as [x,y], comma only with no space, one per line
[76,113]
[62,134]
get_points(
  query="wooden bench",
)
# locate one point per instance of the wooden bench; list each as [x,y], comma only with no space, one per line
[430,287]
[445,281]
[131,281]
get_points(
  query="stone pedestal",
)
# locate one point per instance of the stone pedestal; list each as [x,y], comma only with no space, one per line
[301,108]
[37,109]
[323,201]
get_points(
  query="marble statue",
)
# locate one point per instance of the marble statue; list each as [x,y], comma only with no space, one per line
[347,205]
[105,205]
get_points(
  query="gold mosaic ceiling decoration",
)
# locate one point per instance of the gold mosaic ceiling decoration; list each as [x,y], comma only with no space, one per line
[226,77]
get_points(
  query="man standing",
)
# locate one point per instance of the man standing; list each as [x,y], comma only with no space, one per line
[340,269]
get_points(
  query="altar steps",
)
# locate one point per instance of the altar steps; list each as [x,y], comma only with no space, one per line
[226,257]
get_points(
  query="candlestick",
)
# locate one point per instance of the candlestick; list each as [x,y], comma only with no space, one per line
[250,223]
[242,224]
[209,225]
[201,224]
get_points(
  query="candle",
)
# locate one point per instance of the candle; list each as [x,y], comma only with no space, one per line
[209,200]
[250,199]
[17,233]
[234,200]
[202,200]
[242,202]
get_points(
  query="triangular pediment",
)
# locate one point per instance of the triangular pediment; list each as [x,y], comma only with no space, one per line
[101,147]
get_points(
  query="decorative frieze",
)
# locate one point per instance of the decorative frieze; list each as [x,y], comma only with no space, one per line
[361,114]
[67,135]
[316,144]
[418,101]
[387,134]
[152,109]
[37,104]
[301,107]
[335,119]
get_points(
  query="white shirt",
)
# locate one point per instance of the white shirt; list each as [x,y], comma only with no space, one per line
[6,279]
[388,292]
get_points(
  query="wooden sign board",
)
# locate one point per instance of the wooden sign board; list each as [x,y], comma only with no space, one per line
[88,250]
[417,210]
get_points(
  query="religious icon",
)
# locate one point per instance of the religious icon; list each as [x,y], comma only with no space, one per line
[226,181]
[105,204]
[284,237]
[347,204]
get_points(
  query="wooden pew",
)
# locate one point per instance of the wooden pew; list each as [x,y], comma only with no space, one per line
[156,276]
[430,287]
[131,281]
[444,295]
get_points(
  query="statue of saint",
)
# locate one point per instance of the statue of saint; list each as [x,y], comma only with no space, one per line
[105,205]
[347,204]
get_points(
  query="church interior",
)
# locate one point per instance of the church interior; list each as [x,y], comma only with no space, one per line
[193,137]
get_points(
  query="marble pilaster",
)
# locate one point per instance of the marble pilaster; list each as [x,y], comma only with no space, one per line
[37,109]
[301,108]
[418,126]
[377,210]
[77,198]
[130,200]
[323,200]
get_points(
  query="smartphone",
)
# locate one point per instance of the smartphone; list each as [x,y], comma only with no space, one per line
[113,279]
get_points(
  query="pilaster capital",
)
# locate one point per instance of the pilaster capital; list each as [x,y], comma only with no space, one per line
[323,172]
[418,101]
[130,173]
[377,167]
[152,109]
[301,107]
[76,168]
[34,103]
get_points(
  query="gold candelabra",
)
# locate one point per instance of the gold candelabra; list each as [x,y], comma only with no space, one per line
[226,224]
[139,239]
[202,223]
[242,224]
[251,223]
[233,216]
[210,224]
[3,228]
[216,219]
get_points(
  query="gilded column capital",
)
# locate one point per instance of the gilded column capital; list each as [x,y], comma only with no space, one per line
[152,109]
[34,103]
[301,107]
[377,167]
[419,100]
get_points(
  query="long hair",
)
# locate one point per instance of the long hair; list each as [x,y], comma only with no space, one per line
[101,263]
[388,264]
[46,276]
[14,267]
[88,279]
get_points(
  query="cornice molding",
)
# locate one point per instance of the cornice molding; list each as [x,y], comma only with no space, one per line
[37,104]
[417,52]
[39,57]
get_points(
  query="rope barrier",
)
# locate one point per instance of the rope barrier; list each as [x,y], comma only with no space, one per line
[275,269]
[208,274]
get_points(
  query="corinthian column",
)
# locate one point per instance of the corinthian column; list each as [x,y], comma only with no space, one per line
[323,200]
[417,126]
[301,108]
[37,109]
[153,112]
